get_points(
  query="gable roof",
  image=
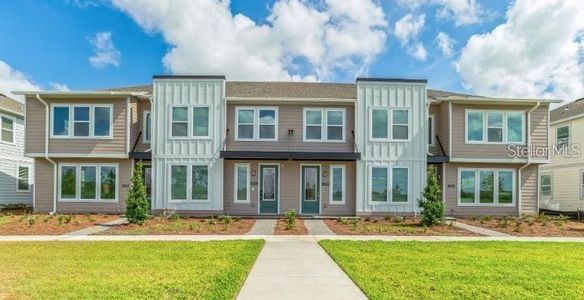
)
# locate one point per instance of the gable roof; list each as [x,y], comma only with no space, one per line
[567,111]
[11,106]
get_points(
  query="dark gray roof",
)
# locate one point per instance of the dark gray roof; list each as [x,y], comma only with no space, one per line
[12,106]
[288,90]
[567,111]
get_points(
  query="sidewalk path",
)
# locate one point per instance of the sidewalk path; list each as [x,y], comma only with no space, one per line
[317,227]
[263,227]
[297,268]
[98,228]
[480,230]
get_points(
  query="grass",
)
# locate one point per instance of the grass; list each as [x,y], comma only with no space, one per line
[119,270]
[462,270]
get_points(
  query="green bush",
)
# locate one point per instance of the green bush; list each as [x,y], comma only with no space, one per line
[138,210]
[290,219]
[431,202]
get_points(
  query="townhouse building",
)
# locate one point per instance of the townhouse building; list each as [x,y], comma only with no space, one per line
[212,146]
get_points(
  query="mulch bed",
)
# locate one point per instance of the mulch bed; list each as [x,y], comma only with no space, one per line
[44,224]
[299,228]
[185,226]
[394,226]
[544,226]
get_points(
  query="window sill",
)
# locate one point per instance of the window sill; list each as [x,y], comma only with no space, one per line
[87,201]
[82,137]
[189,201]
[485,205]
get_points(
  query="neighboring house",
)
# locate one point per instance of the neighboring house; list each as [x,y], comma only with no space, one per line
[562,181]
[213,146]
[16,170]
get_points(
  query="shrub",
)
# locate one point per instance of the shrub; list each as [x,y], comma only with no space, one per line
[431,202]
[290,219]
[138,209]
[68,219]
[211,221]
[174,217]
[503,222]
[399,219]
[31,220]
[225,219]
[354,224]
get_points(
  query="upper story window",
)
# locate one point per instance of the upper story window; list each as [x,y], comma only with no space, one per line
[562,136]
[147,130]
[256,124]
[389,124]
[324,125]
[7,130]
[82,121]
[189,122]
[495,127]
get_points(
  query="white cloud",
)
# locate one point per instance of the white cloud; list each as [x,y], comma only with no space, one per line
[104,51]
[521,58]
[445,43]
[56,86]
[14,80]
[205,37]
[462,12]
[407,30]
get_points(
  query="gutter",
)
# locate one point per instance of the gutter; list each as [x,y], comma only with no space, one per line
[47,153]
[528,157]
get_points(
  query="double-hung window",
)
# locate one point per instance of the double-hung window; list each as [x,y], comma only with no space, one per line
[389,124]
[486,187]
[337,184]
[147,128]
[495,127]
[88,182]
[189,183]
[189,122]
[82,121]
[324,125]
[241,183]
[23,179]
[256,124]
[389,184]
[7,130]
[545,185]
[562,137]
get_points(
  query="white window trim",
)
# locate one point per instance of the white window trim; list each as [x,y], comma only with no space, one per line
[502,127]
[189,122]
[343,184]
[189,187]
[144,128]
[389,170]
[495,187]
[569,135]
[581,184]
[13,130]
[248,183]
[324,125]
[91,136]
[389,124]
[552,184]
[485,113]
[97,183]
[433,131]
[18,166]
[256,123]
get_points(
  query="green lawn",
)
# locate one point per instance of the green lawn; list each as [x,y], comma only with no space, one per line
[462,270]
[108,270]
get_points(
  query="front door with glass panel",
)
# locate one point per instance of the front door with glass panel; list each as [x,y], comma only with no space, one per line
[147,178]
[269,189]
[310,189]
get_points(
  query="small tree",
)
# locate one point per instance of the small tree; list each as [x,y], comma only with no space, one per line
[431,202]
[137,210]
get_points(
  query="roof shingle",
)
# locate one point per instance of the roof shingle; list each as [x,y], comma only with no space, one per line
[12,106]
[567,111]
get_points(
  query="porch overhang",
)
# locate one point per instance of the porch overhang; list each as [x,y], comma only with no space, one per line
[281,155]
[432,159]
[141,155]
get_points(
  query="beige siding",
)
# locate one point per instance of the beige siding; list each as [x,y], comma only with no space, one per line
[528,186]
[289,188]
[44,189]
[538,131]
[566,187]
[290,117]
[35,129]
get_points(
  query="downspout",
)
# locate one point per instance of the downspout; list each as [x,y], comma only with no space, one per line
[528,157]
[47,114]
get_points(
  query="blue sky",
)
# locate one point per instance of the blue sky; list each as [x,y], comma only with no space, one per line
[50,45]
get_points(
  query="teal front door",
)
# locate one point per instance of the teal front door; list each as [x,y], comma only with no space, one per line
[269,189]
[310,190]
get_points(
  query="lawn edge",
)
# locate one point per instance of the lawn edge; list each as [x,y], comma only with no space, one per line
[251,266]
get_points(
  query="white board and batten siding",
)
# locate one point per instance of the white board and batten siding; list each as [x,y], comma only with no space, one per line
[167,151]
[412,154]
[11,157]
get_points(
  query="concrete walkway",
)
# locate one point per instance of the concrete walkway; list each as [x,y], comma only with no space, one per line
[263,227]
[99,228]
[480,230]
[297,268]
[317,227]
